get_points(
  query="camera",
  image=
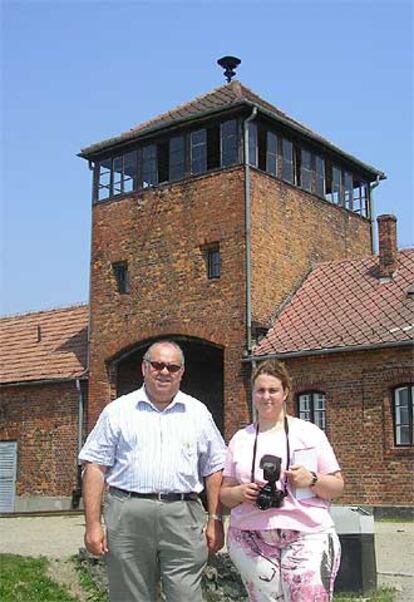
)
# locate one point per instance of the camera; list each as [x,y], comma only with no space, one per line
[269,496]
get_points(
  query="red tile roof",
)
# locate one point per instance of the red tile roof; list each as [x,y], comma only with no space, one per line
[344,304]
[225,97]
[44,345]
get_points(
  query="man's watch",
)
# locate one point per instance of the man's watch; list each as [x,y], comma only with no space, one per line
[314,479]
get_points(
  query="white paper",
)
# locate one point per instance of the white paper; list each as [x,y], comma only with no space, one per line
[308,459]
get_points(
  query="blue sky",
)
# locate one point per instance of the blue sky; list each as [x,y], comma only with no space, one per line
[74,73]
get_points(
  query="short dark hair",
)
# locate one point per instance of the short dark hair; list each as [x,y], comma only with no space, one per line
[276,369]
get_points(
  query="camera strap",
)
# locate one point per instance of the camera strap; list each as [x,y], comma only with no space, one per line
[286,429]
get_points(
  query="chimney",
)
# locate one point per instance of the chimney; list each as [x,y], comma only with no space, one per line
[387,244]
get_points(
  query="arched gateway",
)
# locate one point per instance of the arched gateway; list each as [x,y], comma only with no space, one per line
[203,376]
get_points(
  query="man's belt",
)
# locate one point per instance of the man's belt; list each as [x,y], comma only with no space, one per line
[161,497]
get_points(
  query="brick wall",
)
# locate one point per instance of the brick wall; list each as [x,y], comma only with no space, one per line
[43,419]
[358,388]
[161,233]
[292,231]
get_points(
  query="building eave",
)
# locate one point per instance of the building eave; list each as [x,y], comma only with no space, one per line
[329,350]
[107,146]
[44,381]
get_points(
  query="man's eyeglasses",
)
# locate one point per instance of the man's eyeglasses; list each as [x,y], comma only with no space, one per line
[172,368]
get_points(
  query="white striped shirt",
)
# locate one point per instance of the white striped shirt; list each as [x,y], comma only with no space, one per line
[155,451]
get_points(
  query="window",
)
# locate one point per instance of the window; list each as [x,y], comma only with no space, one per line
[149,166]
[360,202]
[287,164]
[271,153]
[198,151]
[333,184]
[177,158]
[120,270]
[311,407]
[163,160]
[305,169]
[170,159]
[253,144]
[403,400]
[130,172]
[320,176]
[348,191]
[104,179]
[229,154]
[213,261]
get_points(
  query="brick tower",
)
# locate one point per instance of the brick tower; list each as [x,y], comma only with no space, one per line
[204,220]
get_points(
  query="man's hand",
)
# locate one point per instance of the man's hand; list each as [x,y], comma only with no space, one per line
[95,540]
[214,535]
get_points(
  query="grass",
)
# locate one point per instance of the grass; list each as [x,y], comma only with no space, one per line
[384,594]
[25,580]
[395,519]
[87,583]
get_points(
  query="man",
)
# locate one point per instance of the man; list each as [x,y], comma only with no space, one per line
[154,448]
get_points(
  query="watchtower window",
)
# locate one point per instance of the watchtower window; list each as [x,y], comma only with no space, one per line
[198,151]
[253,144]
[120,271]
[229,143]
[287,165]
[360,198]
[305,169]
[177,158]
[320,176]
[271,153]
[104,179]
[149,166]
[213,147]
[163,159]
[348,191]
[124,173]
[333,184]
[130,172]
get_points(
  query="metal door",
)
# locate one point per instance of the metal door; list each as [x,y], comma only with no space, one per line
[8,463]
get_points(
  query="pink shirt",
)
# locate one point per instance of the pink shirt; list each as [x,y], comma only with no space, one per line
[307,515]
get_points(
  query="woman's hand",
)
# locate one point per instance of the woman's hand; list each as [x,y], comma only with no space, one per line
[327,486]
[299,476]
[232,493]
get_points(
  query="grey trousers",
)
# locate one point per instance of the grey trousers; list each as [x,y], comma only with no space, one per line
[149,540]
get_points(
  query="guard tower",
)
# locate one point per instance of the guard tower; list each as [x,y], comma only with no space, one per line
[205,218]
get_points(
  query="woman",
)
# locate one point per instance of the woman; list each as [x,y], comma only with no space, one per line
[281,538]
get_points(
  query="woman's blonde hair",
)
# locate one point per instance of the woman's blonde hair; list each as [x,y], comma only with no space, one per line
[276,369]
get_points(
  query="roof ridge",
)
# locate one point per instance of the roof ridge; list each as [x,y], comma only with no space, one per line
[182,105]
[43,311]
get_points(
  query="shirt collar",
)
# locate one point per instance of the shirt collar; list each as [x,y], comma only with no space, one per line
[142,397]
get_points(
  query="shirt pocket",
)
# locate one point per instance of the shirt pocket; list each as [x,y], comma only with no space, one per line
[188,456]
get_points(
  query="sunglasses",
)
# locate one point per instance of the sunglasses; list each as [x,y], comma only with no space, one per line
[158,366]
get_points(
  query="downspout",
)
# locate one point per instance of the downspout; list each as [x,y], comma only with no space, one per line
[77,493]
[372,186]
[248,231]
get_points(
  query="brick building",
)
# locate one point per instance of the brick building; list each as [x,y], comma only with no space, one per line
[347,338]
[43,393]
[205,221]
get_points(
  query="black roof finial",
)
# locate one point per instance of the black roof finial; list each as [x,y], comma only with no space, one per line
[229,63]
